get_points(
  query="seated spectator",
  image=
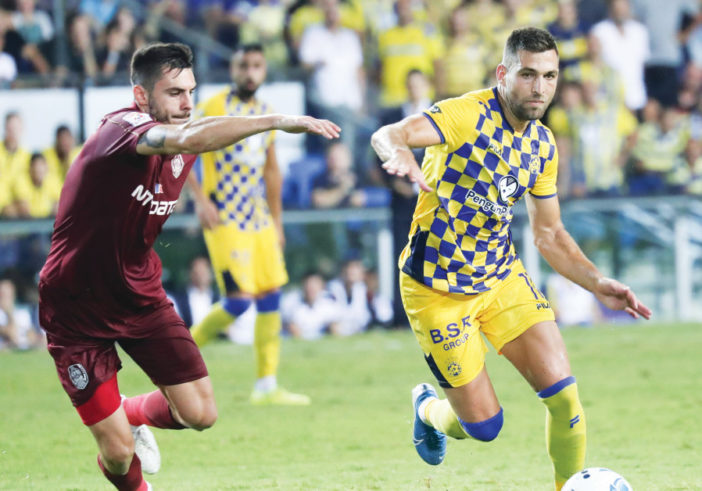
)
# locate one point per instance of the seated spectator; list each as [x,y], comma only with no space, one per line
[36,30]
[100,12]
[8,66]
[198,298]
[81,59]
[16,328]
[337,187]
[37,193]
[62,154]
[350,296]
[115,56]
[264,24]
[658,152]
[381,308]
[571,303]
[309,313]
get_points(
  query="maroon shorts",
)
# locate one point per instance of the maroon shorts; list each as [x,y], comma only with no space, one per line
[157,340]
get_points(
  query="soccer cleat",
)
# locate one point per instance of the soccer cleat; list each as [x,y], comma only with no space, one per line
[146,449]
[429,442]
[278,397]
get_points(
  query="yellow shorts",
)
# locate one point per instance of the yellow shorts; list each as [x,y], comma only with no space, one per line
[447,325]
[243,261]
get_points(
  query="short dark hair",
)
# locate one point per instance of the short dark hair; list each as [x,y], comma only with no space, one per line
[62,128]
[36,156]
[149,62]
[249,48]
[530,39]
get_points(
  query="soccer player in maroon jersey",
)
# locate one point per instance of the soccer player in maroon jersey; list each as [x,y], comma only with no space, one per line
[101,283]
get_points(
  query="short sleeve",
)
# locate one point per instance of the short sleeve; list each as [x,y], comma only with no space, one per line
[453,119]
[120,132]
[545,185]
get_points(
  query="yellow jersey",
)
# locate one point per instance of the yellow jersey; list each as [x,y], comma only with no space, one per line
[460,239]
[233,176]
[41,200]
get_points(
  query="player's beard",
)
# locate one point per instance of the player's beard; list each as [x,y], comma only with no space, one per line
[246,93]
[156,112]
[524,113]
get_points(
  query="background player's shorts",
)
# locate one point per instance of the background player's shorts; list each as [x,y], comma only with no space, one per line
[243,261]
[448,325]
[161,345]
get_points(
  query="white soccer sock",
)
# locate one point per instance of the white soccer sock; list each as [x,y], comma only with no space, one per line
[266,384]
[422,409]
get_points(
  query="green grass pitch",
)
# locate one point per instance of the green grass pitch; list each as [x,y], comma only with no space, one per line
[639,384]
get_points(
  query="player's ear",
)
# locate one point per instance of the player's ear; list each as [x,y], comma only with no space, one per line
[501,73]
[140,96]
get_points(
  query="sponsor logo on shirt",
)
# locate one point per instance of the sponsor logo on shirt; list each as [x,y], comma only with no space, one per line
[145,197]
[136,118]
[508,186]
[487,205]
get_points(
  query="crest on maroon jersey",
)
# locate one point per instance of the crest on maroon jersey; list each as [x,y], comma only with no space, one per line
[177,165]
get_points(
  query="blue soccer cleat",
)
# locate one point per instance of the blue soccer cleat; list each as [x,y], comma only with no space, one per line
[429,442]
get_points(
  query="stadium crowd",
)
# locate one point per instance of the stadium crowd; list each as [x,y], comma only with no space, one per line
[628,115]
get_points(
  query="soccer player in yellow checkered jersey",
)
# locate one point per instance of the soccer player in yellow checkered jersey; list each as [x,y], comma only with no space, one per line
[460,272]
[239,205]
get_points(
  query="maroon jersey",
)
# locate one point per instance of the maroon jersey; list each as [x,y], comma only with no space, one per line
[113,205]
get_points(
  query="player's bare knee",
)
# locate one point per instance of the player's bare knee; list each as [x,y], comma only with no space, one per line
[485,431]
[117,454]
[201,419]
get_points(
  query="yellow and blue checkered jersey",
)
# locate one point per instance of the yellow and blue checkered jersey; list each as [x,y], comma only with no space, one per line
[460,239]
[233,176]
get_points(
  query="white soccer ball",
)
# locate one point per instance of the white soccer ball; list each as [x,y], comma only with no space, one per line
[596,479]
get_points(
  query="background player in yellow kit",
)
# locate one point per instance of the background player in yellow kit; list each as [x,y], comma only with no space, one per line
[239,205]
[460,272]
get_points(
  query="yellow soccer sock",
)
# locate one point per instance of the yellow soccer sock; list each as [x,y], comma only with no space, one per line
[213,323]
[439,414]
[267,343]
[565,429]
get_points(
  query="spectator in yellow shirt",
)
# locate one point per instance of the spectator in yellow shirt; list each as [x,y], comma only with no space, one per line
[37,192]
[61,155]
[14,160]
[407,46]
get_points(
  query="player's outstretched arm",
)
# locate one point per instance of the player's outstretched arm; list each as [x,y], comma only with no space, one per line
[213,133]
[563,254]
[393,144]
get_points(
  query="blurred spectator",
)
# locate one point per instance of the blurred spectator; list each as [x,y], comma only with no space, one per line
[81,59]
[601,136]
[37,192]
[198,298]
[14,159]
[610,86]
[591,12]
[16,328]
[571,303]
[333,56]
[465,62]
[409,45]
[36,30]
[693,157]
[264,24]
[658,152]
[99,12]
[306,13]
[381,308]
[338,186]
[487,16]
[8,66]
[625,48]
[350,296]
[114,57]
[570,34]
[403,193]
[62,154]
[309,313]
[664,20]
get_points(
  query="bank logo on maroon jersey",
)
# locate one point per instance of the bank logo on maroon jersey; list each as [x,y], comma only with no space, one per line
[78,376]
[177,165]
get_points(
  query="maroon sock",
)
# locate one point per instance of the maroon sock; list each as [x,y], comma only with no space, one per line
[131,481]
[150,409]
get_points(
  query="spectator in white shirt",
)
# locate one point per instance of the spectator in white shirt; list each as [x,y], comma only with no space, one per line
[625,48]
[199,296]
[8,66]
[309,313]
[351,298]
